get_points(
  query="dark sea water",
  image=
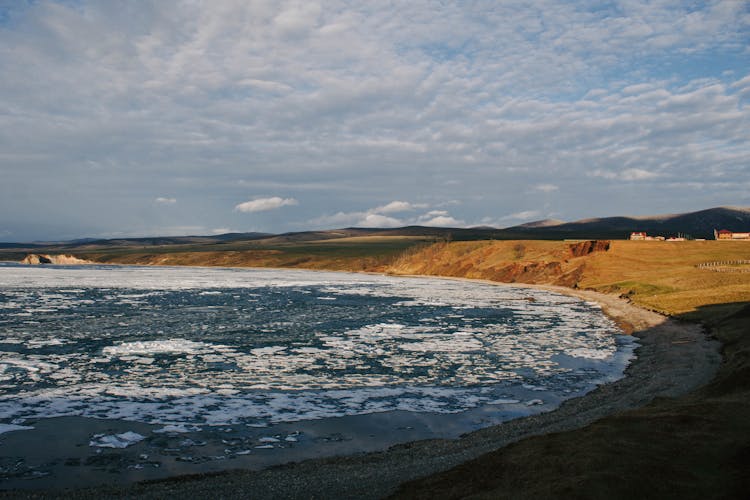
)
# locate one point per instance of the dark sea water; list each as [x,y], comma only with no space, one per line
[196,351]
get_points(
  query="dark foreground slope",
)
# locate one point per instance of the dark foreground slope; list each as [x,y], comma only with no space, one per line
[697,446]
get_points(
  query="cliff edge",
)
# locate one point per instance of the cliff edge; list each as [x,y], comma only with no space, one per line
[63,260]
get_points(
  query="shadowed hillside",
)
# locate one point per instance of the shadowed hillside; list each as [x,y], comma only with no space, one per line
[696,224]
[699,224]
[697,446]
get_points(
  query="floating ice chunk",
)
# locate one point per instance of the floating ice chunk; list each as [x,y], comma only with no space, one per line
[260,351]
[243,452]
[503,401]
[34,344]
[309,350]
[534,387]
[189,442]
[290,439]
[459,342]
[265,447]
[116,440]
[534,402]
[31,366]
[213,358]
[143,361]
[11,427]
[583,352]
[268,439]
[171,346]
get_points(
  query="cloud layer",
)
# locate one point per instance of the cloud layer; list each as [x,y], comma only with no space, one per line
[570,109]
[385,216]
[265,204]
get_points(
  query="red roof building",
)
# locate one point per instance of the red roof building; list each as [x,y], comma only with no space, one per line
[724,234]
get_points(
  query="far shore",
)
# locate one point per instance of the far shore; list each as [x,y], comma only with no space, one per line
[673,358]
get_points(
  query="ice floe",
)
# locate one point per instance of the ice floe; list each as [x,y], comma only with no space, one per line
[123,440]
[209,347]
[12,427]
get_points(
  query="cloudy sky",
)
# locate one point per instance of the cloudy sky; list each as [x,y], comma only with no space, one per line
[170,117]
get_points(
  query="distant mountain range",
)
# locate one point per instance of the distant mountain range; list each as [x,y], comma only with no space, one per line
[699,224]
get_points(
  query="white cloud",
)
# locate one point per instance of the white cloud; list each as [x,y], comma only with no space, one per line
[375,217]
[165,201]
[337,220]
[378,220]
[442,221]
[639,88]
[742,83]
[355,219]
[546,188]
[438,218]
[523,215]
[265,204]
[398,206]
[265,85]
[637,174]
[630,174]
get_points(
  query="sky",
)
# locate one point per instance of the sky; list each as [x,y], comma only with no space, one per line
[168,117]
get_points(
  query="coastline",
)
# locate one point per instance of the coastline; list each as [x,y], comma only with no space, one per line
[673,358]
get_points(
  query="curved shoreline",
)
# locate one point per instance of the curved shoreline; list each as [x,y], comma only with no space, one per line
[673,359]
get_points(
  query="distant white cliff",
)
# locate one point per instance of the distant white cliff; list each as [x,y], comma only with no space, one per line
[65,260]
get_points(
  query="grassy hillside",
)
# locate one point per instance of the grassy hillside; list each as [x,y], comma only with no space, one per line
[369,253]
[659,275]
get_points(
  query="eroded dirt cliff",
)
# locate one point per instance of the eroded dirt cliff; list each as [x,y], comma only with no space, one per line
[555,263]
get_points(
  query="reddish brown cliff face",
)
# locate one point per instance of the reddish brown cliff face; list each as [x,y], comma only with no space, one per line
[555,263]
[586,247]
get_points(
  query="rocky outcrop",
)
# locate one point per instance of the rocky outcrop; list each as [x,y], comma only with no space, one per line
[583,248]
[36,259]
[524,272]
[61,260]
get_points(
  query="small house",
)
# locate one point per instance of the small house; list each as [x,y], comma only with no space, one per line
[724,234]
